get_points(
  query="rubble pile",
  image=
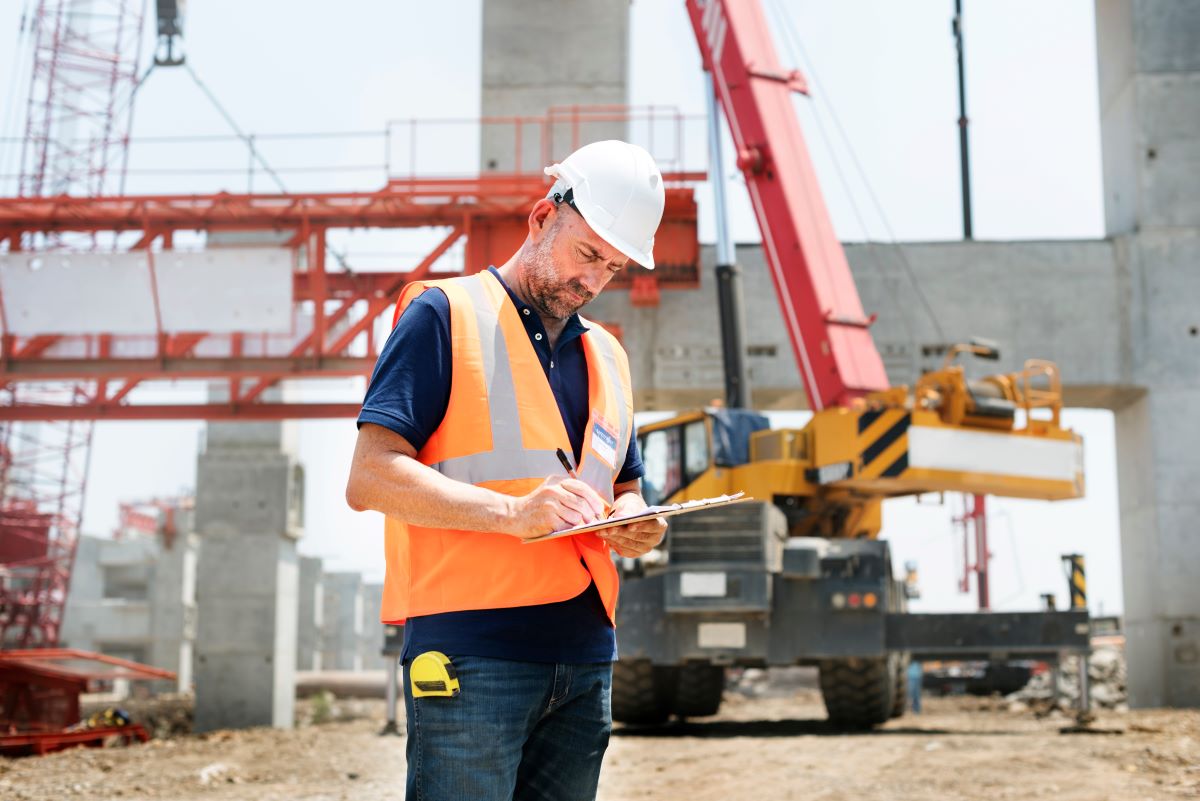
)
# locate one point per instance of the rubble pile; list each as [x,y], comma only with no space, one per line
[163,715]
[775,682]
[1106,684]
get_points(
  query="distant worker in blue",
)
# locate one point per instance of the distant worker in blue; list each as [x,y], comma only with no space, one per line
[915,673]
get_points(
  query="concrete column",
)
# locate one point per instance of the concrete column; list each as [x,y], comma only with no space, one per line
[1157,470]
[537,55]
[173,608]
[1149,53]
[1149,82]
[343,621]
[248,498]
[1158,459]
[371,640]
[311,615]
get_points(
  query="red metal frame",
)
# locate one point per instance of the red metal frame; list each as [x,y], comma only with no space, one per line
[821,308]
[46,742]
[133,516]
[81,95]
[39,698]
[488,212]
[974,527]
[43,471]
[80,108]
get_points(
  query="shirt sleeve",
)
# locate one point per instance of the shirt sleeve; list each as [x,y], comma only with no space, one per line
[633,461]
[410,387]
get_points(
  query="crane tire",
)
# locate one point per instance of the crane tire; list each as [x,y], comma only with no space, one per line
[859,692]
[698,690]
[639,692]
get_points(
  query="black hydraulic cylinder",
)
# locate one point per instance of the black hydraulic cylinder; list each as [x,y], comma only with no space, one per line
[733,352]
[729,277]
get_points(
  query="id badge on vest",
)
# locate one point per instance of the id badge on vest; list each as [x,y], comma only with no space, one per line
[604,440]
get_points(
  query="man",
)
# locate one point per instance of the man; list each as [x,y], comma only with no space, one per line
[915,676]
[482,379]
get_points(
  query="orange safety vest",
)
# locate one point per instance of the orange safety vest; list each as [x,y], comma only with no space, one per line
[500,431]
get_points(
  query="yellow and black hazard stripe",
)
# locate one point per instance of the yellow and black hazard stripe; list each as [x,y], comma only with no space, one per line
[1077,580]
[883,443]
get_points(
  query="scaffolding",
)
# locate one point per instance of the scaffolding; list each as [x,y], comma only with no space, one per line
[80,104]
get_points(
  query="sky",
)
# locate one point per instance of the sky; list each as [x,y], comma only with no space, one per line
[881,125]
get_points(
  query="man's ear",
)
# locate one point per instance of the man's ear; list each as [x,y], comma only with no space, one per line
[540,218]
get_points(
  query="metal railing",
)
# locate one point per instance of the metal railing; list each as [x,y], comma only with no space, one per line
[403,148]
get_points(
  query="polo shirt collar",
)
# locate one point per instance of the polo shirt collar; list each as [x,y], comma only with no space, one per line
[572,329]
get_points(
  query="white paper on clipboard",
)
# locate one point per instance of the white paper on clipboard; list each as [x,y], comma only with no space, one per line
[650,512]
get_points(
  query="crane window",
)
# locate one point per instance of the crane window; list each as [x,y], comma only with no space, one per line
[695,450]
[673,457]
[662,455]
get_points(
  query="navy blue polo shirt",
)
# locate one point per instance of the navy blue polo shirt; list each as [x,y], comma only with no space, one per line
[408,394]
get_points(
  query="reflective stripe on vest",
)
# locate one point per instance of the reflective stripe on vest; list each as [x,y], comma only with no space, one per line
[594,473]
[501,426]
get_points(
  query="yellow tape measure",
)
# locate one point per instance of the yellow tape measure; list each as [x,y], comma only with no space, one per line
[432,675]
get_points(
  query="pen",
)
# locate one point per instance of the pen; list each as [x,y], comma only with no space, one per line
[566,463]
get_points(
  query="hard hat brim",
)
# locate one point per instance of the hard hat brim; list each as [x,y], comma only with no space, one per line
[643,258]
[607,215]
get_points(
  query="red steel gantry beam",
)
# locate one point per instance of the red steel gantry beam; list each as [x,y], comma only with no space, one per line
[489,212]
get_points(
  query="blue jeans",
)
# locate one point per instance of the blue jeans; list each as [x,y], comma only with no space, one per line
[914,693]
[516,730]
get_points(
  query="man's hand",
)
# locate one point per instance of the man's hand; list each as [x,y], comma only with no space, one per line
[559,502]
[634,539]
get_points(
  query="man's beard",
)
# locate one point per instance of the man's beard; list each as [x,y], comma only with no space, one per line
[549,294]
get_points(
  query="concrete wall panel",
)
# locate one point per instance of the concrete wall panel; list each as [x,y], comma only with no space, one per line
[1063,301]
[343,621]
[310,614]
[1166,266]
[1183,663]
[1167,32]
[1168,117]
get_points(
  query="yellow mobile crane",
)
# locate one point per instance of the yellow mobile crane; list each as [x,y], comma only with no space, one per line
[799,577]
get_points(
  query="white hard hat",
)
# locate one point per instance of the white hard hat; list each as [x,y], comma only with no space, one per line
[618,189]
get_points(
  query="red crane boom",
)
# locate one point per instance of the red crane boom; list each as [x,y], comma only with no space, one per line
[820,304]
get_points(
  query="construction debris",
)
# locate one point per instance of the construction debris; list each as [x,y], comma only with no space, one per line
[1059,689]
[757,747]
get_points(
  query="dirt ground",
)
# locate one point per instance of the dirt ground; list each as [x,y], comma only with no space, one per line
[771,746]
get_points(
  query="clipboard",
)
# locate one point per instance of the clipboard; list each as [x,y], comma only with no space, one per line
[649,513]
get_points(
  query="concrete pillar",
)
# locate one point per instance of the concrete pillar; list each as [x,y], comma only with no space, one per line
[1158,463]
[311,615]
[537,55]
[1157,470]
[86,593]
[371,640]
[1149,82]
[343,621]
[248,513]
[1149,85]
[173,614]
